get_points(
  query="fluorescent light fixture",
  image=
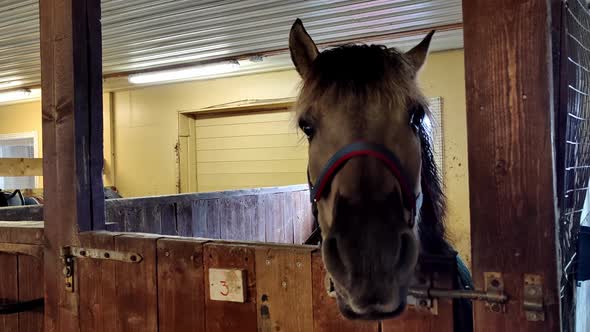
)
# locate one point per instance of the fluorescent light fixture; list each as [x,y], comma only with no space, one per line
[185,73]
[22,94]
[11,84]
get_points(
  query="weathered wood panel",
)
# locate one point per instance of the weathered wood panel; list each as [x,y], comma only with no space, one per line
[23,232]
[283,285]
[21,166]
[280,215]
[96,283]
[231,316]
[326,316]
[30,287]
[181,293]
[72,141]
[509,102]
[8,289]
[137,295]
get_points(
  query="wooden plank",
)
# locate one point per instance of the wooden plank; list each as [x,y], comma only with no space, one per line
[21,167]
[326,316]
[509,101]
[181,294]
[245,106]
[168,221]
[22,232]
[284,288]
[137,295]
[33,250]
[214,215]
[22,213]
[30,287]
[72,141]
[255,228]
[243,315]
[8,289]
[303,222]
[96,283]
[277,230]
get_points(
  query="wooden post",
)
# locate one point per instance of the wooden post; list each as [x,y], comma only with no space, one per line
[71,75]
[508,68]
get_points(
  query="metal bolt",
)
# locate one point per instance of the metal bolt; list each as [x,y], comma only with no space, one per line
[268,262]
[107,255]
[495,283]
[495,307]
[299,264]
[68,284]
[423,303]
[284,284]
[133,258]
[67,271]
[532,291]
[83,252]
[167,253]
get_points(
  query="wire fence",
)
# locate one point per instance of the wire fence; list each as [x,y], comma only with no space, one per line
[576,148]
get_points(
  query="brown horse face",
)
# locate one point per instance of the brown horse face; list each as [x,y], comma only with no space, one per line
[351,94]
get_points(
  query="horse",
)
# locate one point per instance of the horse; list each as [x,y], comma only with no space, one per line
[374,186]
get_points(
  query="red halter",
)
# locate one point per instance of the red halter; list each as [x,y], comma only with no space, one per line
[411,201]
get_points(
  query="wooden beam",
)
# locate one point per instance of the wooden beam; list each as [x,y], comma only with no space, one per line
[72,141]
[509,120]
[21,167]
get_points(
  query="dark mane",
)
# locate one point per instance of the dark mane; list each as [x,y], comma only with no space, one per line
[431,228]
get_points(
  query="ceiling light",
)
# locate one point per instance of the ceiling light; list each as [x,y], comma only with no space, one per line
[184,73]
[20,95]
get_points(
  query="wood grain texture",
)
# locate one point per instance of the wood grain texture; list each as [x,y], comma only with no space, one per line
[30,287]
[22,232]
[137,295]
[72,142]
[96,283]
[181,293]
[231,316]
[21,167]
[8,289]
[326,316]
[509,101]
[283,285]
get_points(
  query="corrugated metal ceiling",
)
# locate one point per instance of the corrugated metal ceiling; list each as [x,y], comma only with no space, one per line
[141,35]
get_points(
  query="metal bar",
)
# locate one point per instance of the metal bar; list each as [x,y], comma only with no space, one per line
[457,294]
[123,256]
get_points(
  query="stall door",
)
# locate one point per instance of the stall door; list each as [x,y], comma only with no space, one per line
[249,150]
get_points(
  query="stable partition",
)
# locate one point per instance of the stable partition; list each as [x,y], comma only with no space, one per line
[280,214]
[149,282]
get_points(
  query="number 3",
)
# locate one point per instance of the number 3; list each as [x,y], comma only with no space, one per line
[224,284]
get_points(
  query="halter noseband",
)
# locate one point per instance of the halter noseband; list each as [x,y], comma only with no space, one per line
[411,202]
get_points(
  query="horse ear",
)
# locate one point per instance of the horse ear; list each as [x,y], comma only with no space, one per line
[303,49]
[417,55]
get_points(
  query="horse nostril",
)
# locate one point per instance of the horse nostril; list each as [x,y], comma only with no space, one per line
[333,258]
[407,252]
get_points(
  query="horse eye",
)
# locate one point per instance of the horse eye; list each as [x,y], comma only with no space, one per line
[307,128]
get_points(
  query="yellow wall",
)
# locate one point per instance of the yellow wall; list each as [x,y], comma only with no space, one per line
[444,75]
[26,117]
[146,129]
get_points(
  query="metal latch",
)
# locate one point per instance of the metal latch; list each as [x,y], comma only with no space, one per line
[68,254]
[493,294]
[533,297]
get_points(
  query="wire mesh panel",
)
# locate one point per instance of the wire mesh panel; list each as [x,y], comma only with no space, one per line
[575,146]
